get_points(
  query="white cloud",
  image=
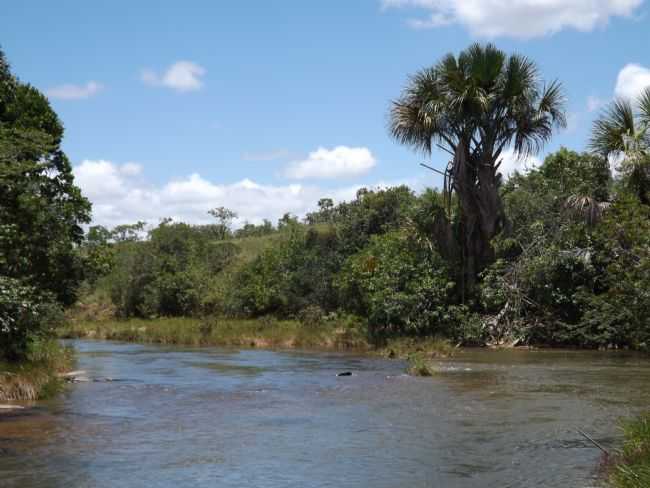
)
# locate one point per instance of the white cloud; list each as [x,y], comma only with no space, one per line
[120,195]
[631,80]
[182,76]
[595,103]
[518,18]
[511,163]
[340,162]
[74,92]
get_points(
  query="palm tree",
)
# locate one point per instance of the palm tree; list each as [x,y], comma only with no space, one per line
[624,135]
[475,106]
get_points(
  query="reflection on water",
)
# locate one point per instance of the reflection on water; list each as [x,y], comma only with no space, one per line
[216,417]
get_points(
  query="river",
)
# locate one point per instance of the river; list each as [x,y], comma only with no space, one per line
[194,417]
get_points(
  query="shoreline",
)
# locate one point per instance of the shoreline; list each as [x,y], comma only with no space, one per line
[287,334]
[264,333]
[37,378]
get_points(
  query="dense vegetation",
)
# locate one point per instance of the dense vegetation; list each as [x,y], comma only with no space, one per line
[557,256]
[41,212]
[571,269]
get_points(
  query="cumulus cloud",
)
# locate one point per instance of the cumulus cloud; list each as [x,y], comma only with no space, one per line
[74,92]
[511,163]
[517,18]
[340,162]
[182,76]
[632,79]
[120,194]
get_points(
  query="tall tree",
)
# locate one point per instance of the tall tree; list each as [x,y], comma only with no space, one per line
[624,134]
[475,106]
[41,210]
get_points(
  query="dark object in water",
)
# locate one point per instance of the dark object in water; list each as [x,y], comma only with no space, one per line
[345,373]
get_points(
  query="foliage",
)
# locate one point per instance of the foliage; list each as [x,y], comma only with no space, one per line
[559,255]
[169,273]
[623,133]
[632,467]
[618,314]
[563,278]
[41,212]
[400,286]
[25,314]
[224,217]
[475,106]
[37,376]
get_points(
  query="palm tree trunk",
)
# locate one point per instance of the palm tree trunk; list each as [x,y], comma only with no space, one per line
[481,214]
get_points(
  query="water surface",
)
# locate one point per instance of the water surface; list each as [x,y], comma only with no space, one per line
[187,417]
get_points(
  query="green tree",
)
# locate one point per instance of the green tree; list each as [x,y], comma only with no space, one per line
[127,232]
[476,106]
[40,207]
[224,218]
[41,210]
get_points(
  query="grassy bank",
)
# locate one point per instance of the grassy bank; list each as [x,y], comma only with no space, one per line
[38,377]
[222,332]
[630,468]
[264,333]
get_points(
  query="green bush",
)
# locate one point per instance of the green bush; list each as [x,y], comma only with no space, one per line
[619,313]
[401,287]
[25,315]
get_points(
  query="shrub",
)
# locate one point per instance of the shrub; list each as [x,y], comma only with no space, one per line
[401,287]
[24,316]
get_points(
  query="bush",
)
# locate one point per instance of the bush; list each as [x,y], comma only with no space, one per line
[618,314]
[401,287]
[25,315]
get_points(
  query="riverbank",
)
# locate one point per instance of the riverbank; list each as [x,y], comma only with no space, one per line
[262,333]
[630,468]
[39,376]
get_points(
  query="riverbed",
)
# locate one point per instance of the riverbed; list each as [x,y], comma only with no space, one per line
[155,416]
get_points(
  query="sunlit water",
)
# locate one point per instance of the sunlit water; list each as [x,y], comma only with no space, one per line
[179,417]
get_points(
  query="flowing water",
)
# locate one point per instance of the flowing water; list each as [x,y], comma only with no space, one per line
[182,417]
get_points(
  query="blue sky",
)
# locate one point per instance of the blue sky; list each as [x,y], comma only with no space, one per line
[172,108]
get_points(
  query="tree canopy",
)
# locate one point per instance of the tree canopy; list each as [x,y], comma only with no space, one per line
[41,210]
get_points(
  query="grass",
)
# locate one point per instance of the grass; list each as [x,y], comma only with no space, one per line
[263,332]
[419,353]
[251,247]
[38,376]
[630,468]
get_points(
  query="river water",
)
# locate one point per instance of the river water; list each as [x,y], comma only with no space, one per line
[188,417]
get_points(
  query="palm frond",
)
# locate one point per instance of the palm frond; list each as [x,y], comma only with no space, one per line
[552,102]
[586,207]
[644,106]
[481,94]
[610,128]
